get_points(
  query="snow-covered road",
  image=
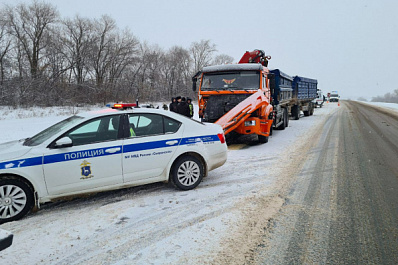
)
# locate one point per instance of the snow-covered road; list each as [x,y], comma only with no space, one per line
[157,224]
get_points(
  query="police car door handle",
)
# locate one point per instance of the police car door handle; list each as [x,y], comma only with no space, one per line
[112,150]
[172,142]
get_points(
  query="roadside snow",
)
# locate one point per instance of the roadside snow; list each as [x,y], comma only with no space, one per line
[390,106]
[152,224]
[4,234]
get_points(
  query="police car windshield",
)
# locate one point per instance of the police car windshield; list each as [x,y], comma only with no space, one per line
[42,136]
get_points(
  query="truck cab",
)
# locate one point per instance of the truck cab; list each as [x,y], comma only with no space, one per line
[237,97]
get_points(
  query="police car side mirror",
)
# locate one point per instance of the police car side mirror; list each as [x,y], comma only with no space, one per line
[63,142]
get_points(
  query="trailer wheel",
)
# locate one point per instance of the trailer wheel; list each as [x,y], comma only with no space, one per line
[296,112]
[287,117]
[312,110]
[263,139]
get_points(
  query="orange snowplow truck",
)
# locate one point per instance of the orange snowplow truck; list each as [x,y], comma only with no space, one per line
[237,96]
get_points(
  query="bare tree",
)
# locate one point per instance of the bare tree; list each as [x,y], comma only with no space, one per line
[77,41]
[29,25]
[124,53]
[202,54]
[223,59]
[45,61]
[177,68]
[104,35]
[5,44]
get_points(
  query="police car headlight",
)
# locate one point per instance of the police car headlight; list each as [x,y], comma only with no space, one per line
[250,123]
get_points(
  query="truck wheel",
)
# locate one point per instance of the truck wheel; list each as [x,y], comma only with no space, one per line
[287,117]
[16,199]
[283,125]
[296,112]
[312,110]
[187,173]
[263,139]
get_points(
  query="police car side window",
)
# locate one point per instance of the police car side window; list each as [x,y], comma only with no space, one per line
[97,130]
[170,125]
[90,127]
[146,124]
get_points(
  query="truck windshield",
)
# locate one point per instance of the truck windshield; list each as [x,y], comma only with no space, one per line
[50,131]
[334,95]
[237,80]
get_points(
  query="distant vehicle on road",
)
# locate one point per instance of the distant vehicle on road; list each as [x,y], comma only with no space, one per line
[320,99]
[105,150]
[334,96]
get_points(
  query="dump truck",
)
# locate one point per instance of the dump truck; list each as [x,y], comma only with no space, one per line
[237,96]
[282,97]
[304,92]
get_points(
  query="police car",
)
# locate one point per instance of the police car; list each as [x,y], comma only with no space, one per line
[105,150]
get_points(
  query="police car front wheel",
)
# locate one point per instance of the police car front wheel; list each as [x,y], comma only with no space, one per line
[187,172]
[16,199]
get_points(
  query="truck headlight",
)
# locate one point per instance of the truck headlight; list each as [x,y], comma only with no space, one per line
[250,123]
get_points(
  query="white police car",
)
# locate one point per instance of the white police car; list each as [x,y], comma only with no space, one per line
[105,150]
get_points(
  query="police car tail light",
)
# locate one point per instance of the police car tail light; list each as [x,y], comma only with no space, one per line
[221,137]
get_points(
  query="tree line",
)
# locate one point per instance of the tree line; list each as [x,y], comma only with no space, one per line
[388,97]
[47,60]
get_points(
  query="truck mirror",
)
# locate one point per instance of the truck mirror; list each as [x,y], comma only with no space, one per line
[194,84]
[195,79]
[271,78]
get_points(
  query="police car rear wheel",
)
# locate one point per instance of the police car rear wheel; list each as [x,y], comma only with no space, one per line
[187,173]
[16,199]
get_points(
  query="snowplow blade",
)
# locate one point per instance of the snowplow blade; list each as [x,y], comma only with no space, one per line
[236,116]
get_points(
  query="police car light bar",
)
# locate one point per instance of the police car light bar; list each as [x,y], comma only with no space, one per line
[123,105]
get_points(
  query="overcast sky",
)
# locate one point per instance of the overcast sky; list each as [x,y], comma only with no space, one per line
[347,45]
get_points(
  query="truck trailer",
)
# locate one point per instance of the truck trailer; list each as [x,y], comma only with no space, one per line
[282,97]
[304,92]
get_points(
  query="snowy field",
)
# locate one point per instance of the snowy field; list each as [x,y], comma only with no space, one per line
[390,106]
[153,224]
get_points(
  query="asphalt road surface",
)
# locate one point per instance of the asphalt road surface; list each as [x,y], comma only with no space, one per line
[342,207]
